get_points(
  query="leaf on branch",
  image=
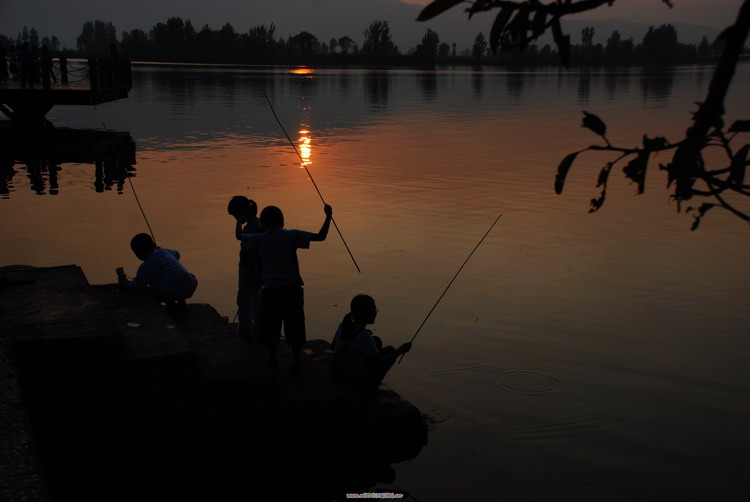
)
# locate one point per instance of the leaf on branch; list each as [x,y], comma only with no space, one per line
[537,25]
[604,175]
[652,144]
[591,121]
[701,213]
[480,6]
[596,204]
[670,175]
[740,126]
[738,165]
[499,26]
[436,8]
[562,42]
[518,28]
[704,208]
[562,171]
[636,170]
[682,170]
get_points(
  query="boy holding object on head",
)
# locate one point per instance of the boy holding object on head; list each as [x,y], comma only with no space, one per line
[161,271]
[359,358]
[249,284]
[282,295]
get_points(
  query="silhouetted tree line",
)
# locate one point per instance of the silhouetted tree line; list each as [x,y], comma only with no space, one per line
[660,46]
[179,41]
[30,36]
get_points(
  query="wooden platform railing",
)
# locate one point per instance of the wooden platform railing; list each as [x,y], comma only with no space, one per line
[88,82]
[109,74]
[103,74]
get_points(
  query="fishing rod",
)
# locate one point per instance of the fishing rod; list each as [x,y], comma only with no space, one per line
[137,201]
[304,164]
[449,284]
[132,187]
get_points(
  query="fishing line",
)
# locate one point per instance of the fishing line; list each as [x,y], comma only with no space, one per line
[137,201]
[304,164]
[449,284]
[132,187]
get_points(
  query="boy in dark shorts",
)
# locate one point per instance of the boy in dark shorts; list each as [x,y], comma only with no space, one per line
[282,296]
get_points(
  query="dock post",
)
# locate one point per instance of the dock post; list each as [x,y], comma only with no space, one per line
[46,84]
[93,75]
[63,70]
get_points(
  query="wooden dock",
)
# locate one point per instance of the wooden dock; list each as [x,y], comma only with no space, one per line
[106,397]
[80,82]
[64,145]
[42,153]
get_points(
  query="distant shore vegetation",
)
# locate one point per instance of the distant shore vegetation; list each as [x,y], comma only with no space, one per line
[178,41]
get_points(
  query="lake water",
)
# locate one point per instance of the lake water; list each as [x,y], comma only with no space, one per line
[577,356]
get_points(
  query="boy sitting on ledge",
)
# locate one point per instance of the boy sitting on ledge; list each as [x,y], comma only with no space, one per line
[359,358]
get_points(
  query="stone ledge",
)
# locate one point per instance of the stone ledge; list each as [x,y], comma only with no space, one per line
[180,408]
[21,476]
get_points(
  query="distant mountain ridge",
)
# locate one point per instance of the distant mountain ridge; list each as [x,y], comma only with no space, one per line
[325,19]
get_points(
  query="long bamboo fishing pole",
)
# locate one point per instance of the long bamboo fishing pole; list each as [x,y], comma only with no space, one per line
[137,200]
[304,164]
[449,284]
[132,187]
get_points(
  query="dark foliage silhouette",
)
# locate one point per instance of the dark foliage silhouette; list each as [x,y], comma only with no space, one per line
[689,174]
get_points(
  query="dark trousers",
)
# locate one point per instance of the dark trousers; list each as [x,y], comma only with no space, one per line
[283,306]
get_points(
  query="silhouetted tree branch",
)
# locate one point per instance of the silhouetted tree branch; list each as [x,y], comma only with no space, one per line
[520,22]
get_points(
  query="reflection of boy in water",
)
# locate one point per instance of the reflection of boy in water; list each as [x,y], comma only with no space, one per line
[359,358]
[248,286]
[282,296]
[161,271]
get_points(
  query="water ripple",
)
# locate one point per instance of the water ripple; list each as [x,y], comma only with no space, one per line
[544,403]
[532,382]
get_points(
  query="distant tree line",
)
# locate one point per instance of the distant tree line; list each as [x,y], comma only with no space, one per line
[31,36]
[179,41]
[660,46]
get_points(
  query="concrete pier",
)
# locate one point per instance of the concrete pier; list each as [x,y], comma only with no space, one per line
[107,397]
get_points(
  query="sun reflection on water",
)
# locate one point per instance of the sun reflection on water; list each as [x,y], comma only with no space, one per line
[303,70]
[305,146]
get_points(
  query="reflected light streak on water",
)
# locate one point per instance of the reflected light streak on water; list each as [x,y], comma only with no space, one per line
[305,147]
[303,70]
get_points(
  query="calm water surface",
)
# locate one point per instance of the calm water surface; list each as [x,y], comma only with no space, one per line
[578,356]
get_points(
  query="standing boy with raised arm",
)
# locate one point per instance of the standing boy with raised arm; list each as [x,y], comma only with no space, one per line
[282,296]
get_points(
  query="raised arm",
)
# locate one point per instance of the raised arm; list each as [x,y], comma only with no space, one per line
[238,228]
[323,233]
